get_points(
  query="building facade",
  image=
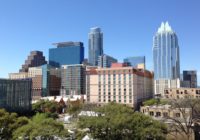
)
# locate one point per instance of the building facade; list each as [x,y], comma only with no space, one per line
[95,45]
[105,61]
[15,95]
[124,85]
[136,62]
[182,93]
[73,80]
[35,59]
[191,77]
[165,58]
[66,53]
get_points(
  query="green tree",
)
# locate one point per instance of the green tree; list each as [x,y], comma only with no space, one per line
[121,122]
[74,107]
[51,108]
[9,122]
[40,126]
[157,101]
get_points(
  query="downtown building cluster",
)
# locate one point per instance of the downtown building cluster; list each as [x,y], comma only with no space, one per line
[100,78]
[67,73]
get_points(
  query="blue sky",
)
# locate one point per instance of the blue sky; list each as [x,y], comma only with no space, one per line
[128,27]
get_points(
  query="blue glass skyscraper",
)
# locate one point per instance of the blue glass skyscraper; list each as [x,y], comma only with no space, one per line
[66,53]
[95,45]
[135,61]
[166,53]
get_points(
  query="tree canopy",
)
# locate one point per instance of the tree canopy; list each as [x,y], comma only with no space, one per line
[121,122]
[51,108]
[10,122]
[40,126]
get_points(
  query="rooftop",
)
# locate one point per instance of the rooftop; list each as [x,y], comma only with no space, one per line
[67,44]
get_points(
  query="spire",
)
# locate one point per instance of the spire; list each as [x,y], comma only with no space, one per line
[165,27]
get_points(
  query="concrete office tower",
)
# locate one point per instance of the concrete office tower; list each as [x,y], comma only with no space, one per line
[72,79]
[15,95]
[191,77]
[136,62]
[105,61]
[66,53]
[165,57]
[120,84]
[95,45]
[35,59]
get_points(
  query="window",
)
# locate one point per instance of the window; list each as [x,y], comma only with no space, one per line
[151,113]
[165,114]
[158,114]
[178,115]
[185,91]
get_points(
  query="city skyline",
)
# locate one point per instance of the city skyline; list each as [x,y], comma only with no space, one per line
[127,32]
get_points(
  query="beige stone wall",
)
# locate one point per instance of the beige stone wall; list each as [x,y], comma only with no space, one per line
[181,93]
[160,111]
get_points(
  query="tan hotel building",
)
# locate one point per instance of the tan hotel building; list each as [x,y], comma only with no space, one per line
[120,84]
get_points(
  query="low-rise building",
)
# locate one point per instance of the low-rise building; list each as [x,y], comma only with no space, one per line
[164,112]
[161,84]
[120,84]
[182,93]
[15,95]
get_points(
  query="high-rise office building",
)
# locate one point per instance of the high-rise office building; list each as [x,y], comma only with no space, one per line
[73,79]
[35,59]
[191,77]
[136,62]
[95,45]
[105,61]
[15,95]
[166,53]
[66,53]
[165,57]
